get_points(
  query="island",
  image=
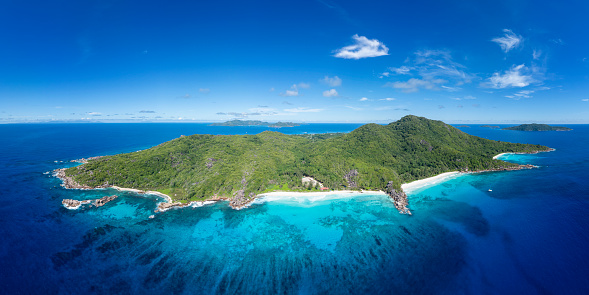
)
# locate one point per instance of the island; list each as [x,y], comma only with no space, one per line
[238,168]
[255,123]
[490,126]
[537,127]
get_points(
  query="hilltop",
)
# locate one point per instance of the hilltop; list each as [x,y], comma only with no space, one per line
[537,127]
[239,167]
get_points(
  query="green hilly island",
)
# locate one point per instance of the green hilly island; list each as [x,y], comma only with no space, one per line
[239,167]
[537,127]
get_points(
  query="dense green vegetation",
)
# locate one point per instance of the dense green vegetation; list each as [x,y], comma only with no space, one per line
[537,127]
[255,123]
[201,166]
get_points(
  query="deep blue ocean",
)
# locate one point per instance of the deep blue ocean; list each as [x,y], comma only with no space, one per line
[521,232]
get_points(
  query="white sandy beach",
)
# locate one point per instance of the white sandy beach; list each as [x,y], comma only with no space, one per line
[501,154]
[168,199]
[411,186]
[309,196]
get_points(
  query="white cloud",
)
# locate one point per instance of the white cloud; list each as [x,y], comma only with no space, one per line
[413,84]
[362,48]
[94,114]
[517,76]
[509,41]
[536,54]
[402,70]
[388,99]
[385,74]
[330,93]
[466,97]
[293,91]
[354,108]
[451,89]
[303,85]
[333,82]
[303,110]
[204,90]
[271,89]
[585,99]
[364,99]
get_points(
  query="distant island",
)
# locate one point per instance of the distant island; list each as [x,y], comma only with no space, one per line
[255,123]
[464,126]
[238,168]
[537,127]
[490,126]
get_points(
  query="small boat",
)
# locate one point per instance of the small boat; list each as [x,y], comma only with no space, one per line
[490,190]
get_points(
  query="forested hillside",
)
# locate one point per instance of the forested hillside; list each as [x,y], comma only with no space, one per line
[198,167]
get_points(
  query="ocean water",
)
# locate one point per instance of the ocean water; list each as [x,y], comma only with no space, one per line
[521,232]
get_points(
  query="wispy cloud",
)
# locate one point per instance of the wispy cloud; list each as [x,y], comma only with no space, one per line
[303,85]
[434,68]
[521,94]
[204,90]
[517,76]
[509,41]
[557,41]
[303,110]
[402,70]
[388,99]
[536,54]
[465,97]
[362,48]
[333,82]
[413,84]
[354,108]
[585,99]
[364,99]
[147,112]
[94,114]
[330,93]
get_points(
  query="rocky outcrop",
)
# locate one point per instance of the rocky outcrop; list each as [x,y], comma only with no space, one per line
[351,178]
[69,183]
[502,168]
[310,181]
[102,201]
[85,160]
[71,204]
[399,198]
[164,206]
[75,204]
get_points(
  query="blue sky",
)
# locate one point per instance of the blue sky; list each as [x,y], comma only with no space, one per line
[303,61]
